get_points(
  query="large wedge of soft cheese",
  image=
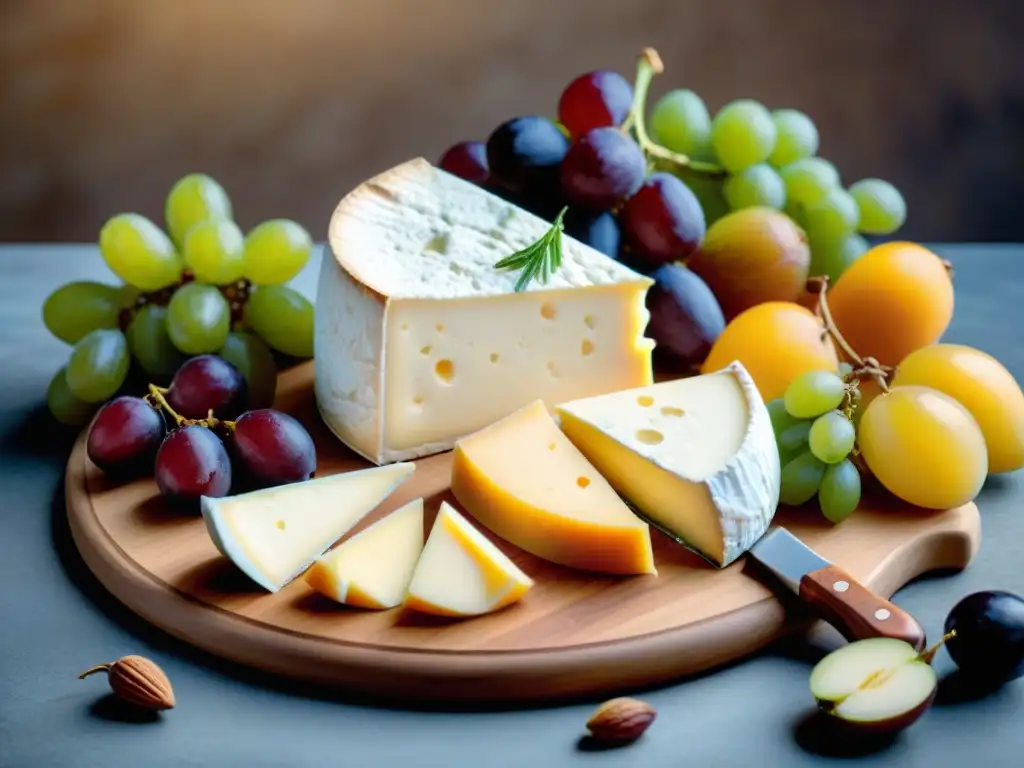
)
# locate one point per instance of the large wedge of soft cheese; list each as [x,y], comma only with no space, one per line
[373,569]
[419,340]
[461,572]
[524,480]
[696,456]
[274,534]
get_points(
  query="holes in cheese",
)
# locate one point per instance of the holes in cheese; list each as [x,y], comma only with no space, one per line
[541,506]
[273,534]
[462,573]
[704,467]
[382,298]
[374,568]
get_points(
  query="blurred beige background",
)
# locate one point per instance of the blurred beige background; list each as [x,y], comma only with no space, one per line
[290,103]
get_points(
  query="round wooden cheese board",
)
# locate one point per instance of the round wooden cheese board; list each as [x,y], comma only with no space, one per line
[574,634]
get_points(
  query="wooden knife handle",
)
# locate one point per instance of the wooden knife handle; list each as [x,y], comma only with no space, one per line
[854,610]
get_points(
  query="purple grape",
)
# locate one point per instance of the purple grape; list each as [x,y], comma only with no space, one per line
[208,383]
[273,448]
[601,169]
[125,436]
[193,462]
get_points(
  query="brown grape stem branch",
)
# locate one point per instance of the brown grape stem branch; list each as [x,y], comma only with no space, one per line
[864,366]
[157,396]
[648,66]
[928,655]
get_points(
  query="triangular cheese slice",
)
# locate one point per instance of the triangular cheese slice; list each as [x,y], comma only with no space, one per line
[273,534]
[696,456]
[462,573]
[373,569]
[522,478]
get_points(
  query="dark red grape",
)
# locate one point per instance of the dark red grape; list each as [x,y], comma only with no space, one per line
[686,318]
[192,462]
[989,641]
[273,448]
[124,437]
[601,169]
[467,160]
[595,100]
[663,221]
[598,230]
[524,153]
[208,383]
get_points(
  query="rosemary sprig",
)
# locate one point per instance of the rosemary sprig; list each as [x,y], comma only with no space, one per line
[541,259]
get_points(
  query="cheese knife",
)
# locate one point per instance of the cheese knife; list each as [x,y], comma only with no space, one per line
[831,593]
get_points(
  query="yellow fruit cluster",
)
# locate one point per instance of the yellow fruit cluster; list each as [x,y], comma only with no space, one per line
[934,419]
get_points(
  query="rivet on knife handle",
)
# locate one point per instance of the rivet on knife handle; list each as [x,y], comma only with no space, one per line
[854,610]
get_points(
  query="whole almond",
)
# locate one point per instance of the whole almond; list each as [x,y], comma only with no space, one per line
[138,681]
[622,719]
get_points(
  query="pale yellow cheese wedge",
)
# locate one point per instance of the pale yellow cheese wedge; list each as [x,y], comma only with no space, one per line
[373,569]
[462,573]
[274,534]
[525,481]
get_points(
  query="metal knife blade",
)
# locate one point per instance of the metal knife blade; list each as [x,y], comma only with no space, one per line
[831,593]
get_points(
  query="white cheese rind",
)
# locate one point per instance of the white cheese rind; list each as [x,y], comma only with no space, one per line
[744,489]
[420,341]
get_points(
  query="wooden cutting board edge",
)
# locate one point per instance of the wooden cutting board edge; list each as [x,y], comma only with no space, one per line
[506,677]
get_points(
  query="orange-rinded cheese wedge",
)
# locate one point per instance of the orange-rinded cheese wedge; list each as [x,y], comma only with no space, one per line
[526,482]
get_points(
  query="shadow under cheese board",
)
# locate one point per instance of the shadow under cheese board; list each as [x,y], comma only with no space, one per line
[574,634]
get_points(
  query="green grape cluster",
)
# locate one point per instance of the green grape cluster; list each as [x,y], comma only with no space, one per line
[200,286]
[816,437]
[770,159]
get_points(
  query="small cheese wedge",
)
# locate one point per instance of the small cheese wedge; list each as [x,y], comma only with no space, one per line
[696,456]
[420,340]
[373,569]
[522,478]
[462,573]
[274,534]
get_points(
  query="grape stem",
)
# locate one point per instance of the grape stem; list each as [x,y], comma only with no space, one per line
[928,655]
[649,65]
[156,395]
[865,366]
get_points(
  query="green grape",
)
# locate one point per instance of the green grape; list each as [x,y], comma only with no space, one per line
[801,479]
[756,185]
[834,257]
[840,490]
[813,393]
[790,432]
[832,436]
[808,180]
[742,134]
[150,342]
[833,218]
[882,208]
[276,251]
[139,252]
[198,319]
[680,122]
[98,365]
[74,309]
[64,406]
[194,198]
[256,363]
[127,296]
[283,318]
[796,137]
[793,439]
[214,251]
[709,193]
